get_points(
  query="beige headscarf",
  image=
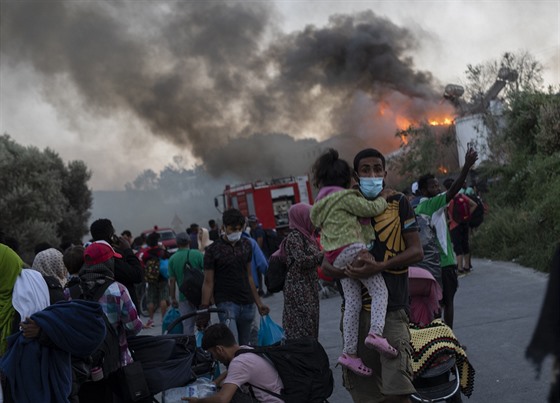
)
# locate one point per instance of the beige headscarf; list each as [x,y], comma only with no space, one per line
[49,262]
[203,239]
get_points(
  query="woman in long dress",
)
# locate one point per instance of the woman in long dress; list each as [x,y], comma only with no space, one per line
[301,290]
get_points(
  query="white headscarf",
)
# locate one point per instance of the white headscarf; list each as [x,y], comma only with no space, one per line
[31,293]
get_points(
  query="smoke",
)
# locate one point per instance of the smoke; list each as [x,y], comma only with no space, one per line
[220,79]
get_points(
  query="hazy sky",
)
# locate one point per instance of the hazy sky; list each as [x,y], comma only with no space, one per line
[129,85]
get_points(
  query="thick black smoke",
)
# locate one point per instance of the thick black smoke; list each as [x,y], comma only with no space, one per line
[209,75]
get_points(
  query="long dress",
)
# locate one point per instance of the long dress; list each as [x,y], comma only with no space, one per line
[301,290]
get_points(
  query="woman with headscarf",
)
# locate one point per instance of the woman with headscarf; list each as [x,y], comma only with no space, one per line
[301,293]
[203,239]
[50,263]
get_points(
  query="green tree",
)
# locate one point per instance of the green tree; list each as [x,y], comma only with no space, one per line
[42,200]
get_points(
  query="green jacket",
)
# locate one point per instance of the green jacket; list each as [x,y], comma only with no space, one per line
[337,214]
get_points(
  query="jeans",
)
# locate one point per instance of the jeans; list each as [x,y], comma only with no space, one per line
[186,307]
[240,318]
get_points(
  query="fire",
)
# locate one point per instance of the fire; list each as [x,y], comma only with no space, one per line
[442,122]
[404,139]
[442,169]
[402,122]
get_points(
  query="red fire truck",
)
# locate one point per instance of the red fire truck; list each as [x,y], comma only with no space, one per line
[268,200]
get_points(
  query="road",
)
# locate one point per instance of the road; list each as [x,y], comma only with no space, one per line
[497,306]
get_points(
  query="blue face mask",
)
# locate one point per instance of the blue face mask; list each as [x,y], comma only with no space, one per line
[371,187]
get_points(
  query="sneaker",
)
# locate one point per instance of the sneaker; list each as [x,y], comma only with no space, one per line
[355,365]
[380,344]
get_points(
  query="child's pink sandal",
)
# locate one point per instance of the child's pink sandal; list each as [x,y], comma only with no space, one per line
[355,365]
[381,344]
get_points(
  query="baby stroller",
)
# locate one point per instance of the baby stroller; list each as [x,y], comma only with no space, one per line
[441,368]
[170,360]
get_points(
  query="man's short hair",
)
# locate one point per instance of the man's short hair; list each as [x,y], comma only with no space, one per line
[233,218]
[73,258]
[102,229]
[126,233]
[217,335]
[211,223]
[368,153]
[153,239]
[423,181]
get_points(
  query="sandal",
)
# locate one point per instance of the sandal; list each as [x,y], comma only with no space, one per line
[355,365]
[380,344]
[149,324]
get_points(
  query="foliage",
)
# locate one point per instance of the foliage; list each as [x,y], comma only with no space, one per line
[524,220]
[42,200]
[425,149]
[480,77]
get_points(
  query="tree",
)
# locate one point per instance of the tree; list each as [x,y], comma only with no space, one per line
[42,200]
[480,77]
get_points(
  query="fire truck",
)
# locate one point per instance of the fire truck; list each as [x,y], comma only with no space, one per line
[268,200]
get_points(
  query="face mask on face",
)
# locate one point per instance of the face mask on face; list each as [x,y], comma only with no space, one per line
[234,236]
[371,187]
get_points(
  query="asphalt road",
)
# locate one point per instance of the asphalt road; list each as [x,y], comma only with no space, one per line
[497,307]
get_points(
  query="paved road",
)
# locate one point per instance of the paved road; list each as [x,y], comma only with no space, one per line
[496,311]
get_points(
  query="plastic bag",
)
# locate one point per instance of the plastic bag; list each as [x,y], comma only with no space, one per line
[199,336]
[170,316]
[164,268]
[269,332]
[202,387]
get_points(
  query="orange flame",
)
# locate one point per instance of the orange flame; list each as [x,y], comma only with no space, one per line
[442,122]
[402,122]
[442,169]
[404,139]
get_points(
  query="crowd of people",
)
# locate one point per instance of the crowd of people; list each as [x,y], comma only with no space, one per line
[359,233]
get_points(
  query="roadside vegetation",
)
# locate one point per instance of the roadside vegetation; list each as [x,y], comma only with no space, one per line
[521,178]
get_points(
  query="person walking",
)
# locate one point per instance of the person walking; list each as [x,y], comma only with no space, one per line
[300,317]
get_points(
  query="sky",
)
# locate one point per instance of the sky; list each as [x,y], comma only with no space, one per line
[126,86]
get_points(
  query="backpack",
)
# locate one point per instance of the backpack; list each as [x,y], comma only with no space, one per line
[477,216]
[275,275]
[460,209]
[108,354]
[271,240]
[152,270]
[191,287]
[303,366]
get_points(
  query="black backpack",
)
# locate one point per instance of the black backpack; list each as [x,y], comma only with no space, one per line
[108,354]
[477,216]
[272,241]
[303,366]
[191,287]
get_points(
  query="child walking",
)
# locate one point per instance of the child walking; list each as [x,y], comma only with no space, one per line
[336,212]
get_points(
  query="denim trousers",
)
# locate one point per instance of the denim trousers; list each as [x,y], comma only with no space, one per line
[238,318]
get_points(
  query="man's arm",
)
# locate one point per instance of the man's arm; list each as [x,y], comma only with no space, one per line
[263,309]
[412,254]
[224,395]
[470,159]
[472,205]
[331,271]
[207,288]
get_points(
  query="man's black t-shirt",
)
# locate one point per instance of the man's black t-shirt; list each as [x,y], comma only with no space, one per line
[389,226]
[229,262]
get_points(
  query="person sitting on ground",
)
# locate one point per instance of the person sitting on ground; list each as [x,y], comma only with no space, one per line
[336,212]
[243,369]
[177,263]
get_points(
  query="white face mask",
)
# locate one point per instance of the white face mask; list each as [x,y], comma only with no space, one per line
[234,236]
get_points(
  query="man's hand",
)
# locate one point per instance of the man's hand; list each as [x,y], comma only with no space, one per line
[30,329]
[263,309]
[470,157]
[364,266]
[202,321]
[190,399]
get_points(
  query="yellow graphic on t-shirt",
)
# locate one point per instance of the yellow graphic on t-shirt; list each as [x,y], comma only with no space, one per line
[388,230]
